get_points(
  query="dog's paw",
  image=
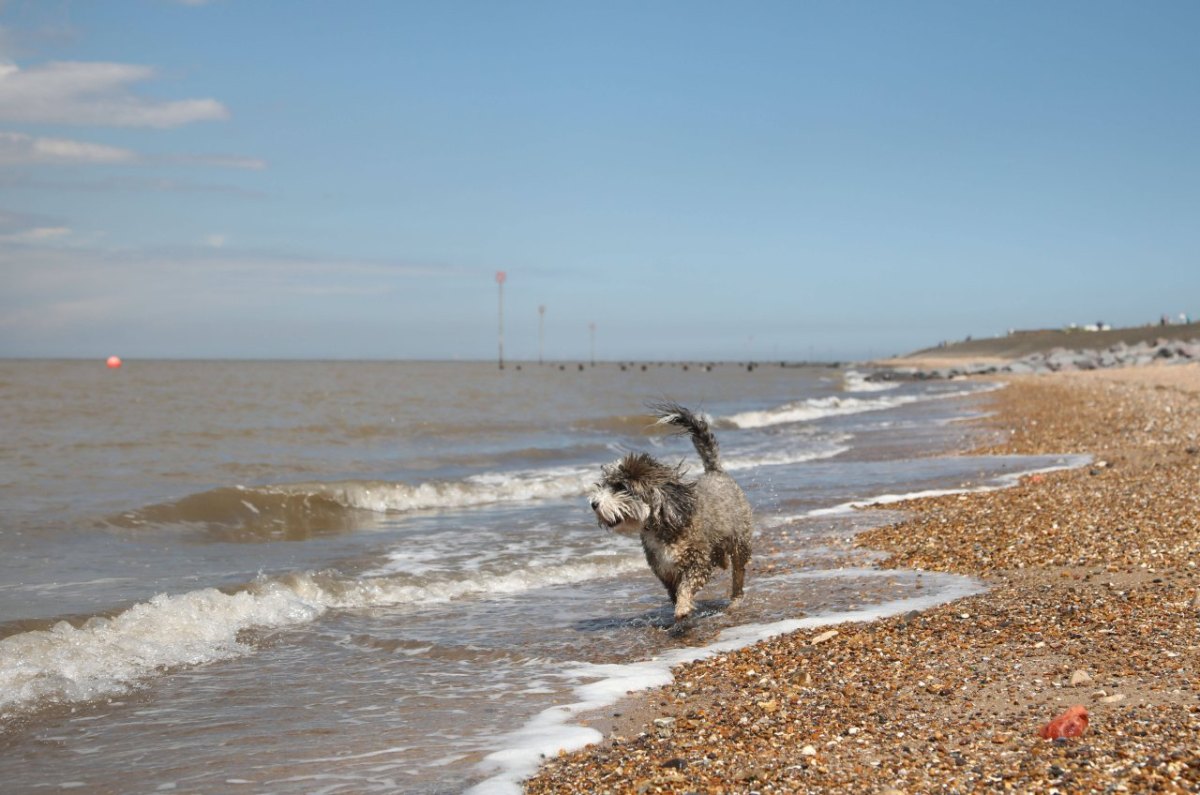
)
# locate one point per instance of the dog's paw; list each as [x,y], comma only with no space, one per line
[683,623]
[681,627]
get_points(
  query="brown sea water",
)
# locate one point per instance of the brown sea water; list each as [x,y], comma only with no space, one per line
[383,576]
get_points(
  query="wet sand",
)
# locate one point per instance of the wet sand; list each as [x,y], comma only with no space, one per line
[1094,600]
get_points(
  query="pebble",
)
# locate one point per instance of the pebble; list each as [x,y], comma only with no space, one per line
[1080,677]
[824,636]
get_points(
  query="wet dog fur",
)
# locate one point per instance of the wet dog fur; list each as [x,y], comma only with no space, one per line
[688,528]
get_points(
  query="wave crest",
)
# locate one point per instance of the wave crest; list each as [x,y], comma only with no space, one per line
[107,656]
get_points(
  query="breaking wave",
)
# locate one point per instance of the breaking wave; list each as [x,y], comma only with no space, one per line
[854,381]
[107,656]
[833,406]
[300,510]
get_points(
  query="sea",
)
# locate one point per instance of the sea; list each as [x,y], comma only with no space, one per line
[350,577]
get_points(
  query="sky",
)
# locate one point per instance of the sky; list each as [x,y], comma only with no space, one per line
[763,180]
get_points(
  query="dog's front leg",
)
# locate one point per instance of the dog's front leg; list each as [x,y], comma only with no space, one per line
[689,584]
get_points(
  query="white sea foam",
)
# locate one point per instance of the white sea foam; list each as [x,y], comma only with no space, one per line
[827,448]
[483,489]
[854,381]
[834,406]
[999,482]
[106,656]
[551,730]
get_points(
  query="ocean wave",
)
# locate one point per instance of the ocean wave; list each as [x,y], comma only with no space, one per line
[106,656]
[832,406]
[854,381]
[301,510]
[294,511]
[826,448]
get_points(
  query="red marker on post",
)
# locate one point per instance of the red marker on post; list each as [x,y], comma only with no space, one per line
[113,362]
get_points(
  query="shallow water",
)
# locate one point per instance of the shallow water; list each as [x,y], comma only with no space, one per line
[349,577]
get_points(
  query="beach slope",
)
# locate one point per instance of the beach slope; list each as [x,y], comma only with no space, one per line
[1093,601]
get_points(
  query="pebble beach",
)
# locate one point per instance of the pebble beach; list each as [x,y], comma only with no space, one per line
[1093,600]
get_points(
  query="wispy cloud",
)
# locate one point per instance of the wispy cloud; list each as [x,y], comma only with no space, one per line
[96,94]
[23,149]
[18,149]
[13,221]
[37,234]
[125,183]
[51,284]
[218,161]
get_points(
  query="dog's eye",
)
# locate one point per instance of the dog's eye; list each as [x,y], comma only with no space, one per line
[620,488]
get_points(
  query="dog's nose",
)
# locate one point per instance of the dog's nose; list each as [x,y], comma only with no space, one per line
[595,504]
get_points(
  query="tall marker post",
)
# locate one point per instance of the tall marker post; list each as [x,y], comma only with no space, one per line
[592,330]
[500,277]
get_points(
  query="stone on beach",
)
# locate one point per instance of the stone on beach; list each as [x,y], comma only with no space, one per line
[1080,677]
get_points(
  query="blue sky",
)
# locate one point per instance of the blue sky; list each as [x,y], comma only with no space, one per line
[247,178]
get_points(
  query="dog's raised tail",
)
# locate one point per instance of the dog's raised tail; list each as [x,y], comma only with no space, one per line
[696,427]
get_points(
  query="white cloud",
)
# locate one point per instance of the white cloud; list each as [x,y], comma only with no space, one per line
[37,234]
[215,240]
[93,93]
[219,161]
[21,149]
[18,149]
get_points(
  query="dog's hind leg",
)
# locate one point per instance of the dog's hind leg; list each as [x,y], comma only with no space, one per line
[739,557]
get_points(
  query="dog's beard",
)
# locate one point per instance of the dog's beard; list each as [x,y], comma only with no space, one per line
[619,511]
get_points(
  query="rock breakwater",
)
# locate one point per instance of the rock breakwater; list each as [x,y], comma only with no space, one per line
[1059,360]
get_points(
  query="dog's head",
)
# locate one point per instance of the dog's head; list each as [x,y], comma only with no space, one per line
[638,491]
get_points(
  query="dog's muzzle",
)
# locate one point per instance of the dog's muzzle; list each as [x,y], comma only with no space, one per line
[618,512]
[610,521]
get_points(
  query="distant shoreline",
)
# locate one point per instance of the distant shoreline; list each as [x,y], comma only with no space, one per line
[998,350]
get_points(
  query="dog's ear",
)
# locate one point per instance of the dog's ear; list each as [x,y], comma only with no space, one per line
[642,489]
[673,504]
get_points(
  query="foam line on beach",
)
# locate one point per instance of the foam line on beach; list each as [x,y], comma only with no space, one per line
[827,449]
[836,406]
[552,730]
[999,482]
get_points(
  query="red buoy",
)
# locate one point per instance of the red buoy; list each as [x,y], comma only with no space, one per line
[114,362]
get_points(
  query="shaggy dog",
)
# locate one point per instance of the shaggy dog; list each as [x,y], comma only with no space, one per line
[688,527]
